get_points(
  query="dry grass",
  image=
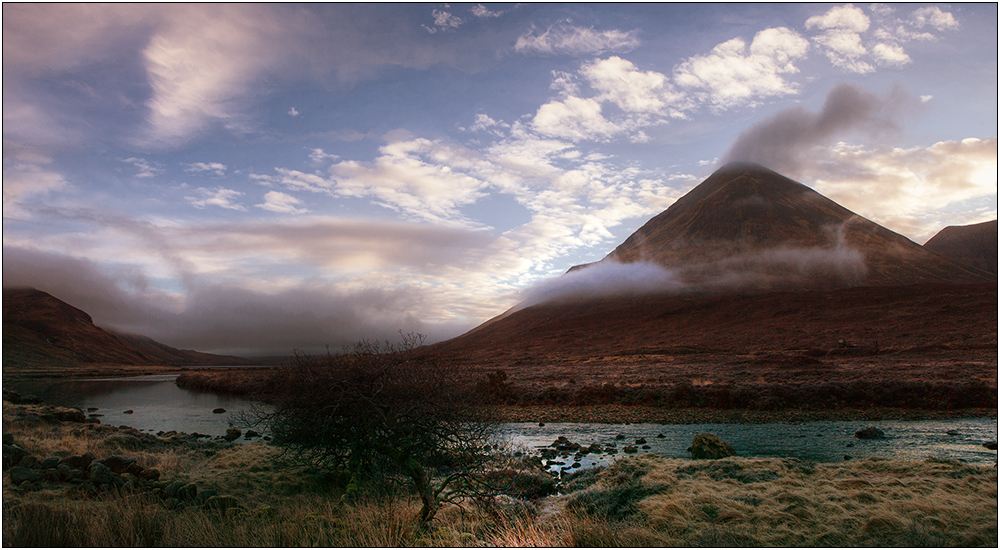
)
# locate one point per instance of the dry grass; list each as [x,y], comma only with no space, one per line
[639,501]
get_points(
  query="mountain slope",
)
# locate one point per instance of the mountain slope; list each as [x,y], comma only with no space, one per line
[749,227]
[39,330]
[973,245]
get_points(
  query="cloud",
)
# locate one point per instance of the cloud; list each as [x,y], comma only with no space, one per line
[575,119]
[733,74]
[219,196]
[276,201]
[915,191]
[443,20]
[146,168]
[567,39]
[841,37]
[216,168]
[851,43]
[481,11]
[293,112]
[26,173]
[785,141]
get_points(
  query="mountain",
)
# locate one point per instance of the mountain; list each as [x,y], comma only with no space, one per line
[973,245]
[41,330]
[747,227]
[754,260]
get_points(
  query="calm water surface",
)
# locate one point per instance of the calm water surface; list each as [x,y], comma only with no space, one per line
[159,405]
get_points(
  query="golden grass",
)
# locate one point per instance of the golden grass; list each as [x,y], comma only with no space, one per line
[672,502]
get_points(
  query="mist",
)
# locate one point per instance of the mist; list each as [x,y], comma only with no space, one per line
[783,141]
[225,318]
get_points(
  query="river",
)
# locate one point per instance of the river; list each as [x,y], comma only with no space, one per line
[157,404]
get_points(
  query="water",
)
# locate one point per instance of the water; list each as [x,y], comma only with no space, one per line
[159,405]
[821,441]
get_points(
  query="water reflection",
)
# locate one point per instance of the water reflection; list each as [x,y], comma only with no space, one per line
[157,404]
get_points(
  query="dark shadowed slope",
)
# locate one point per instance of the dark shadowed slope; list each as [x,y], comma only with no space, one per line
[973,245]
[749,227]
[39,330]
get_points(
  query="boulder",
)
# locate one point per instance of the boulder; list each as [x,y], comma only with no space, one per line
[20,474]
[220,410]
[640,441]
[81,462]
[251,434]
[991,445]
[28,461]
[187,492]
[708,446]
[12,455]
[118,464]
[69,415]
[871,432]
[103,475]
[232,434]
[50,462]
[631,449]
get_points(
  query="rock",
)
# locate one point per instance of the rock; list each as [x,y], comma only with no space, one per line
[81,462]
[220,410]
[69,415]
[660,436]
[100,474]
[953,432]
[631,449]
[172,488]
[12,455]
[251,434]
[640,441]
[206,494]
[541,424]
[49,463]
[134,469]
[708,446]
[118,464]
[8,439]
[28,461]
[130,411]
[575,465]
[150,474]
[871,432]
[646,447]
[847,457]
[232,434]
[619,436]
[20,474]
[76,475]
[91,409]
[991,445]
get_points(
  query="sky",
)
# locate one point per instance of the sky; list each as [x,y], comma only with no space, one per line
[261,178]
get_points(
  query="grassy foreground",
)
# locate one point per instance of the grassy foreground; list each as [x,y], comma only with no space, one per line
[641,501]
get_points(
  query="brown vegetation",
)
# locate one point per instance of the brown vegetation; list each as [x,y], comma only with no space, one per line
[642,501]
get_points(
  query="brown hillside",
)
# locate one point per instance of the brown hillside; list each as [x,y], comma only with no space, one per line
[747,226]
[177,357]
[40,329]
[973,245]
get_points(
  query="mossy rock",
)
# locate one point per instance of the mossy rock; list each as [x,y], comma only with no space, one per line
[708,446]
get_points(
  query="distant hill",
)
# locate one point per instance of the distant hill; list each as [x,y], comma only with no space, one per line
[749,227]
[41,330]
[973,245]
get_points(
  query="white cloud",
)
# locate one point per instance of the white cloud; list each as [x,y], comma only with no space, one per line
[443,20]
[276,201]
[566,39]
[932,16]
[216,168]
[293,112]
[480,10]
[25,174]
[852,44]
[219,196]
[318,156]
[575,119]
[733,74]
[913,191]
[146,168]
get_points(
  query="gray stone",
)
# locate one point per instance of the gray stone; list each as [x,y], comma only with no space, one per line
[102,475]
[12,455]
[50,462]
[28,461]
[871,432]
[20,474]
[708,446]
[81,462]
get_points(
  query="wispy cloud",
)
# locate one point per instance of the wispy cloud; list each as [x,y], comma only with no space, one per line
[568,39]
[146,168]
[216,168]
[276,201]
[219,196]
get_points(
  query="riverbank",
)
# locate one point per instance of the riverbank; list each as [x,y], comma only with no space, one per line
[642,501]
